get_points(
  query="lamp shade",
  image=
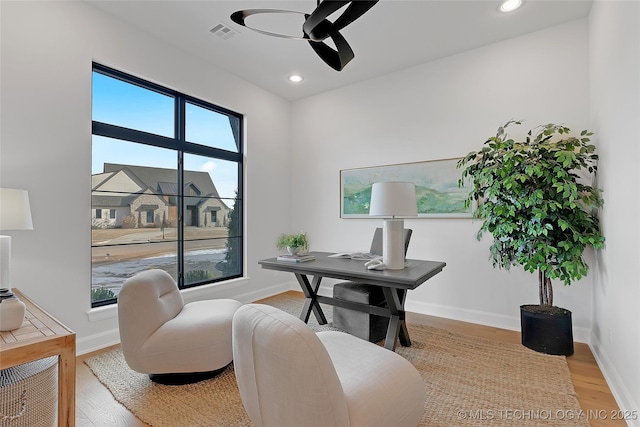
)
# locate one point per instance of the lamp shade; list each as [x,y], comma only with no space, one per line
[393,199]
[15,211]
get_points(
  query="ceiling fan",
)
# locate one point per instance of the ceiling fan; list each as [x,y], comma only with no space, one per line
[317,28]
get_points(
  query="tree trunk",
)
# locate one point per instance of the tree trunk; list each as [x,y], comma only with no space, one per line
[545,288]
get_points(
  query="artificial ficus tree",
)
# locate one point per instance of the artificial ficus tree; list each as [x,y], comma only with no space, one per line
[532,199]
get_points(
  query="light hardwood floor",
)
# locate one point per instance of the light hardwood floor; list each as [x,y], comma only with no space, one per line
[95,406]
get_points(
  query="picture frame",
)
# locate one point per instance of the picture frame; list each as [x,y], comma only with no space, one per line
[437,192]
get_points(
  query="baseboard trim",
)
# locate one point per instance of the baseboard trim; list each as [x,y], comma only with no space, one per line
[617,386]
[501,321]
[97,341]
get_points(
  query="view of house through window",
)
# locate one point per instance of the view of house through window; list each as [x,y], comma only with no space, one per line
[165,185]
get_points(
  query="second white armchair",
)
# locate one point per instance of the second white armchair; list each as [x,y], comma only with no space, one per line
[289,376]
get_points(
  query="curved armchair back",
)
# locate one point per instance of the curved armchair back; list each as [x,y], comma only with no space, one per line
[146,301]
[284,373]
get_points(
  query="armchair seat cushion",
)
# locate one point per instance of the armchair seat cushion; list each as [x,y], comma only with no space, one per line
[198,339]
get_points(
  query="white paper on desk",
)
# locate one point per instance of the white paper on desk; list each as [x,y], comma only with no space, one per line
[364,256]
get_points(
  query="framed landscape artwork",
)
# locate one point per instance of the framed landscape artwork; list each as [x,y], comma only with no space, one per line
[437,192]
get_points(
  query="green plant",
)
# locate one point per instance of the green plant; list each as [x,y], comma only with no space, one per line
[298,240]
[195,276]
[101,294]
[532,200]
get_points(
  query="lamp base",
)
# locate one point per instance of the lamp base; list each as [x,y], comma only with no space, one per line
[12,312]
[393,244]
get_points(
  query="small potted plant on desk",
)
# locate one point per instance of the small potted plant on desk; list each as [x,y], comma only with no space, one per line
[293,243]
[541,215]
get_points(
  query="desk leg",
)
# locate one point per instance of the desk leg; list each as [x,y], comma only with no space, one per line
[311,302]
[397,326]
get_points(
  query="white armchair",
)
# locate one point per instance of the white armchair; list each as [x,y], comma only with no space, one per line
[289,376]
[172,342]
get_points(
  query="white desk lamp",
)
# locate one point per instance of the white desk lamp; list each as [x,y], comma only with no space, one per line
[15,214]
[391,199]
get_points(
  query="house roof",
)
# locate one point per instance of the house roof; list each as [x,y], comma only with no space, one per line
[168,187]
[100,181]
[150,180]
[154,177]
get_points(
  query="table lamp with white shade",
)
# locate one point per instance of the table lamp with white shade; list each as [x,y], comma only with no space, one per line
[15,214]
[392,200]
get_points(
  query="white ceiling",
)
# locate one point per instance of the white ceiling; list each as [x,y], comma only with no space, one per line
[393,35]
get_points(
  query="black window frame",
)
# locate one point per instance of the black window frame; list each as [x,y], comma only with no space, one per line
[179,144]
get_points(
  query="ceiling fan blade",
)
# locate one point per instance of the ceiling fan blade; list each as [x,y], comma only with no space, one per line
[240,16]
[335,58]
[324,9]
[312,26]
[355,10]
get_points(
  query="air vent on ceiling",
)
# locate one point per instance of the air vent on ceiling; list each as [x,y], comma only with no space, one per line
[223,31]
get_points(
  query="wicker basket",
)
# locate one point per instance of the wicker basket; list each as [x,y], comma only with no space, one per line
[29,394]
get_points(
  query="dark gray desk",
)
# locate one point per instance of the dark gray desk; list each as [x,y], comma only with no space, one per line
[394,283]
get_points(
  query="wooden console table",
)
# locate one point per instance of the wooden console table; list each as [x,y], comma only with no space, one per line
[40,336]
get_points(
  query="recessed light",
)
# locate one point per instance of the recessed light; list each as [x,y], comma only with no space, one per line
[510,5]
[295,78]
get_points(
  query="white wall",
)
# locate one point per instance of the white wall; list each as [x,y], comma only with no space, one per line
[443,109]
[47,51]
[615,109]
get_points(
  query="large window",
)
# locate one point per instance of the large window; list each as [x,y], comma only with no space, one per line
[167,171]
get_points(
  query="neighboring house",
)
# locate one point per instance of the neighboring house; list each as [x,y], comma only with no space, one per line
[139,196]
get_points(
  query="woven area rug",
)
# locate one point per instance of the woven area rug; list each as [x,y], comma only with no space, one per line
[470,381]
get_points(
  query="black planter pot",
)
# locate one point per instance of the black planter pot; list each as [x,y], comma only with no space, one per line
[547,329]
